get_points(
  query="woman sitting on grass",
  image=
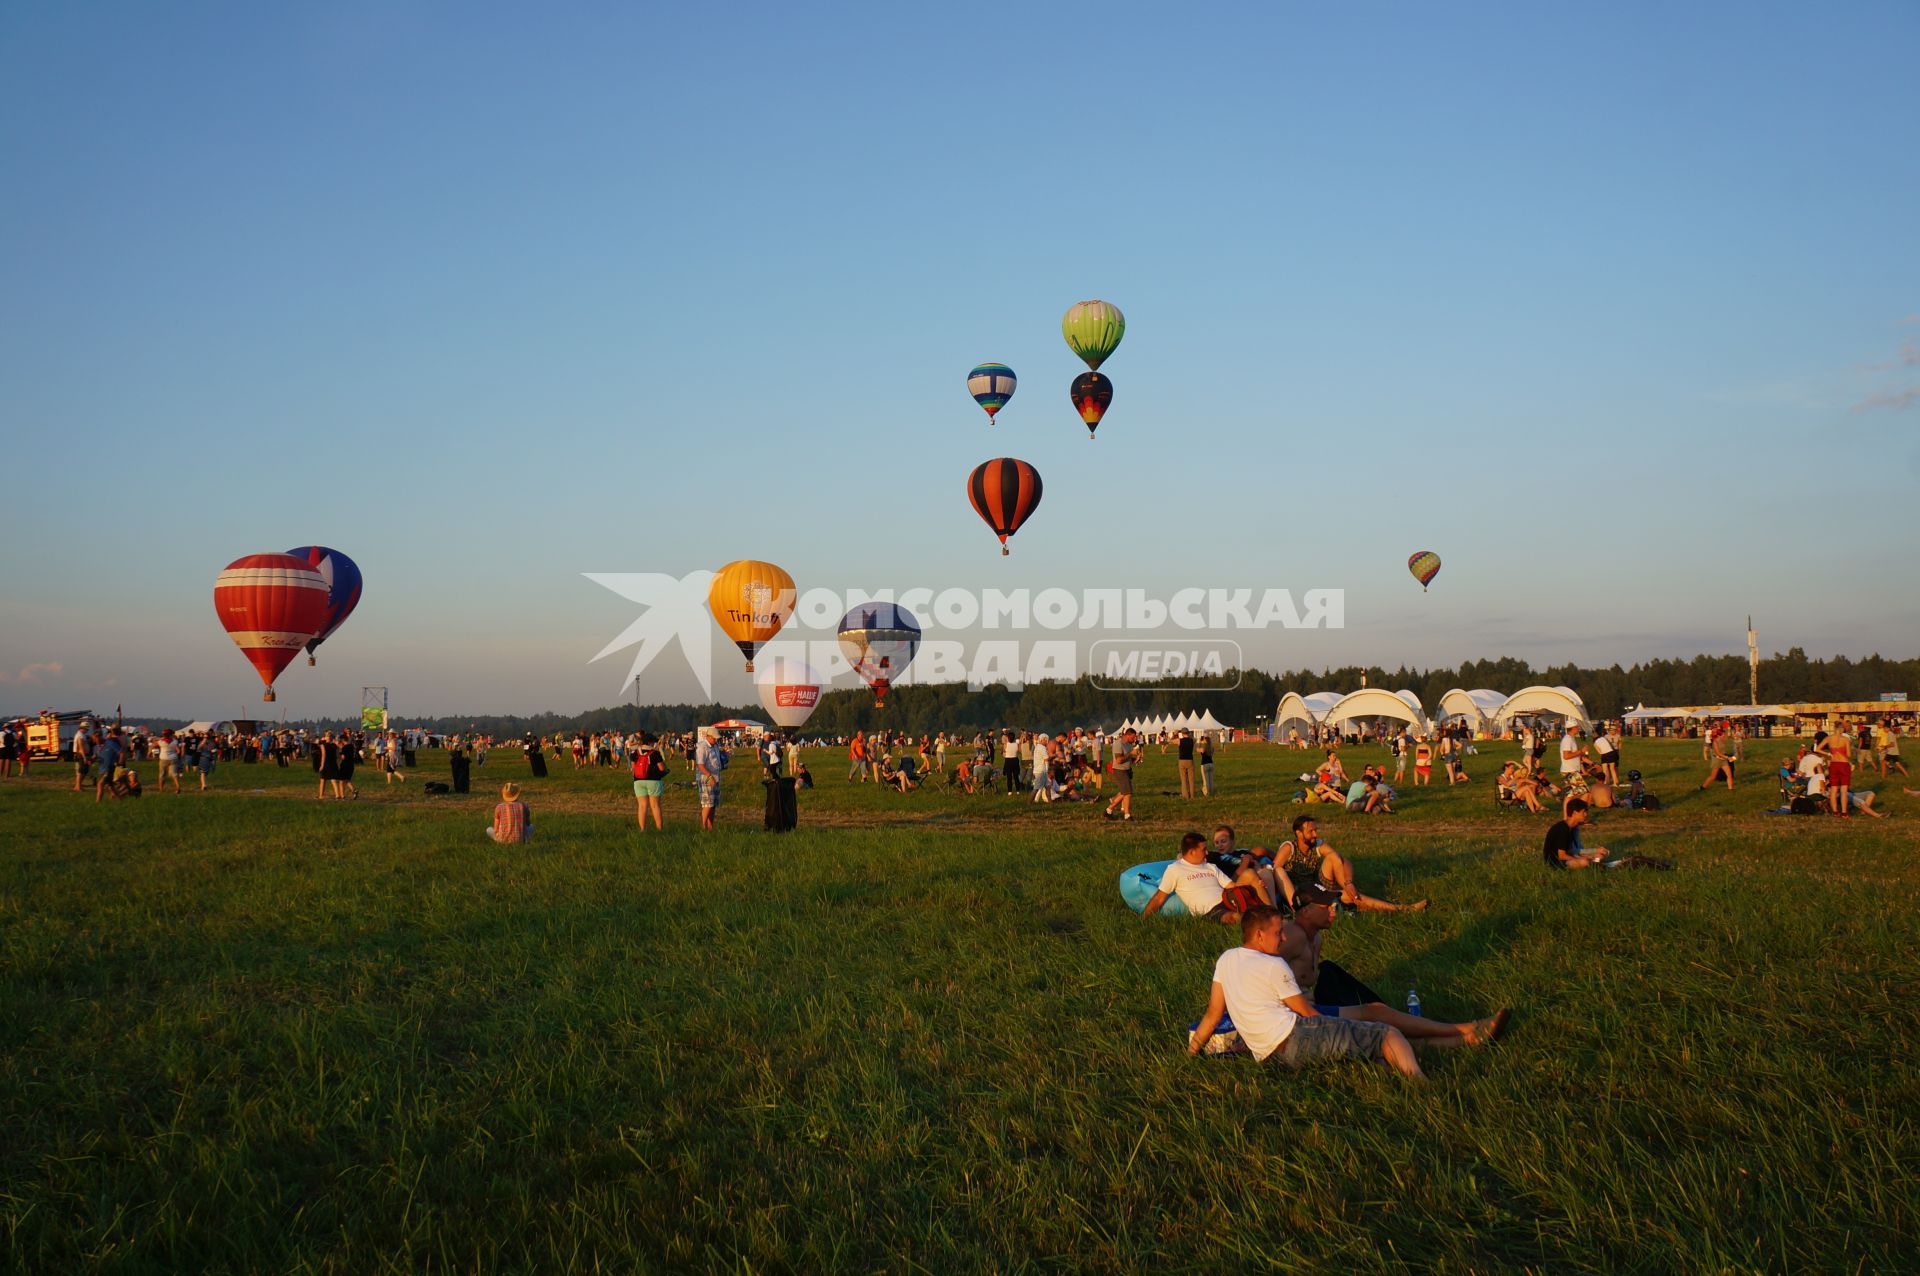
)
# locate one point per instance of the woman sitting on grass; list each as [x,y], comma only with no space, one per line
[1517,786]
[894,777]
[512,822]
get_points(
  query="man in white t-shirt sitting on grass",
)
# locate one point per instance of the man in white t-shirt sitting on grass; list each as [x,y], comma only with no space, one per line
[1279,1025]
[1205,890]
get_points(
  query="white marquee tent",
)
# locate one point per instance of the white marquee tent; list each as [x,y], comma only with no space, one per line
[1477,707]
[1302,713]
[1378,702]
[1560,702]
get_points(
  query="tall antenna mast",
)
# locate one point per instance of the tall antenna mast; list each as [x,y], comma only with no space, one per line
[1753,664]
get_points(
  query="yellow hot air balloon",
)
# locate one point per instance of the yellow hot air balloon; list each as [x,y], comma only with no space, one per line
[750,601]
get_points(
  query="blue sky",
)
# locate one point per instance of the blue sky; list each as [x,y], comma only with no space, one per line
[1598,304]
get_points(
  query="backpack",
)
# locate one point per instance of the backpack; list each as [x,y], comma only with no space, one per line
[650,766]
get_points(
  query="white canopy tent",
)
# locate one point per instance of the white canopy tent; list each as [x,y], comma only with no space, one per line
[1644,714]
[1378,702]
[1477,707]
[1302,713]
[1210,723]
[1556,701]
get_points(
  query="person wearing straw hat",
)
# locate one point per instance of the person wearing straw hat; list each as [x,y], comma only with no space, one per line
[512,822]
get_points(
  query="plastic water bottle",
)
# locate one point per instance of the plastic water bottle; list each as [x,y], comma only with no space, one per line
[1413,1003]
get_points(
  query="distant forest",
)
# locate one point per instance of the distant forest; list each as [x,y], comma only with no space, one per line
[1048,706]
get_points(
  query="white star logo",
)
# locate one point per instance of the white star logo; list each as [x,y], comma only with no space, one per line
[676,610]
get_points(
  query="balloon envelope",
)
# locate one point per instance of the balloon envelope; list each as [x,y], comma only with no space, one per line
[343,587]
[1424,565]
[271,605]
[1091,392]
[1093,330]
[789,689]
[750,601]
[1004,492]
[879,640]
[991,385]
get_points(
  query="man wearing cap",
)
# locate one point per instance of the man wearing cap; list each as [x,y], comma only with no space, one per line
[1255,984]
[709,760]
[1339,994]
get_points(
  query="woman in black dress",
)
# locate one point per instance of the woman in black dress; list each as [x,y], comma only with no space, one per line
[349,758]
[324,761]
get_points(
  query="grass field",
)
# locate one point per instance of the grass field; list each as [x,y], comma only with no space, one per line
[251,1032]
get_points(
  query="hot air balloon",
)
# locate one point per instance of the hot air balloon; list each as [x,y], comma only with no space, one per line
[1425,566]
[1092,392]
[789,689]
[271,606]
[1004,492]
[343,588]
[1093,330]
[991,385]
[750,601]
[879,640]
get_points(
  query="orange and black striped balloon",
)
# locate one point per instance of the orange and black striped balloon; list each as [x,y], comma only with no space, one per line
[1004,492]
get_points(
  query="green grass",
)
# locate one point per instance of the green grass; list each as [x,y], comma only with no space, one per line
[251,1032]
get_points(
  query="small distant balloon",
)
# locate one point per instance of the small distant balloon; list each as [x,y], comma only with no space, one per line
[1091,392]
[991,385]
[1093,330]
[1424,565]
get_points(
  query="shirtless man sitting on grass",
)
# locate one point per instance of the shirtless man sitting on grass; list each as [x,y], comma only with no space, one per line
[1340,995]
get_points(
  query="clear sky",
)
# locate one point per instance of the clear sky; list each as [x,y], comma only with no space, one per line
[1617,307]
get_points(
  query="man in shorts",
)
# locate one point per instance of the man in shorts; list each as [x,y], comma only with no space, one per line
[1889,749]
[1279,1025]
[109,758]
[84,747]
[708,762]
[167,752]
[1126,752]
[1306,859]
[1204,889]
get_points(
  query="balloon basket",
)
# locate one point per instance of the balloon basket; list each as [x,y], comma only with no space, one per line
[268,697]
[1004,551]
[311,662]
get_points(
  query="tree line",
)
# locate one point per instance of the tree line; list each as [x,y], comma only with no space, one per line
[1242,697]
